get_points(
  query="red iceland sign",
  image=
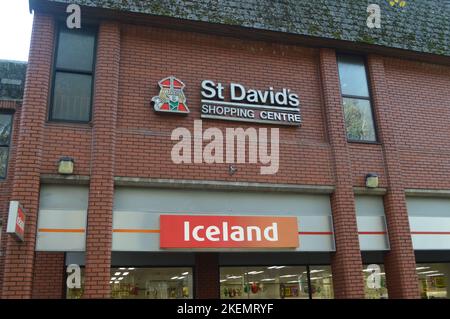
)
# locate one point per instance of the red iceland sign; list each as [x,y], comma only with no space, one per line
[16,220]
[194,231]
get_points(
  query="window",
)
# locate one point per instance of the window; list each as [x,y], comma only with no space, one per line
[276,282]
[375,282]
[151,283]
[434,280]
[358,115]
[73,76]
[321,282]
[5,141]
[145,283]
[76,293]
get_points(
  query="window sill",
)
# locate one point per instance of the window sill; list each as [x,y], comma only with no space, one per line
[364,142]
[87,125]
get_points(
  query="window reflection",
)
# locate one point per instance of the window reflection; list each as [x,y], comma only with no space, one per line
[76,293]
[151,283]
[358,120]
[352,75]
[321,282]
[375,282]
[275,282]
[73,75]
[5,140]
[434,280]
[145,283]
[72,96]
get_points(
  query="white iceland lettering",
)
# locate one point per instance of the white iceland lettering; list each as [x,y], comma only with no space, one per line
[225,232]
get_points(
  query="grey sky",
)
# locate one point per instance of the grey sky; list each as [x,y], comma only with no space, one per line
[15,29]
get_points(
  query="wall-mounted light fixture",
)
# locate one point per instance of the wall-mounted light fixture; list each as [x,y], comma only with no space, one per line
[372,180]
[65,165]
[232,170]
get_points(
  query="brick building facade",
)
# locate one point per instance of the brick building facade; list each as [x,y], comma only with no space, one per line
[122,162]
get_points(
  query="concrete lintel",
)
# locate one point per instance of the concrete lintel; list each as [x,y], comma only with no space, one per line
[62,179]
[222,185]
[369,191]
[428,192]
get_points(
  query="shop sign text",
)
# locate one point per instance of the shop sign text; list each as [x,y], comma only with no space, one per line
[193,231]
[269,106]
[16,220]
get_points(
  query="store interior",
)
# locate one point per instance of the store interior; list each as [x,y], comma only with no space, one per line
[276,282]
[254,281]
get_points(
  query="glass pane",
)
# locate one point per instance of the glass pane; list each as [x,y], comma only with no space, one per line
[5,128]
[151,283]
[352,74]
[272,282]
[375,282]
[358,120]
[76,293]
[321,282]
[4,152]
[434,280]
[75,50]
[72,97]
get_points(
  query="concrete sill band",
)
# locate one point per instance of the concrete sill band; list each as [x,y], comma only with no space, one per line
[223,185]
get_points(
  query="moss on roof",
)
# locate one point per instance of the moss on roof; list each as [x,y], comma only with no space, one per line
[12,79]
[422,26]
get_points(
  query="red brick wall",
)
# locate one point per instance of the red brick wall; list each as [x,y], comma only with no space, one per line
[127,138]
[207,276]
[6,184]
[49,275]
[18,269]
[143,139]
[67,140]
[143,143]
[367,158]
[101,193]
[346,261]
[420,96]
[399,263]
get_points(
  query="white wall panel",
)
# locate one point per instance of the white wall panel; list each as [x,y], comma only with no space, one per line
[62,218]
[371,222]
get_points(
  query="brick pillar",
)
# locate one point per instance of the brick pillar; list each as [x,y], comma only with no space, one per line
[346,261]
[101,193]
[400,262]
[18,269]
[49,274]
[6,185]
[207,277]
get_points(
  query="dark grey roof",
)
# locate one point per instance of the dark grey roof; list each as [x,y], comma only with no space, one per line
[12,79]
[421,25]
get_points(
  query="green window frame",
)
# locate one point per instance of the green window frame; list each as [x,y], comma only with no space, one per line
[73,75]
[357,103]
[6,123]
